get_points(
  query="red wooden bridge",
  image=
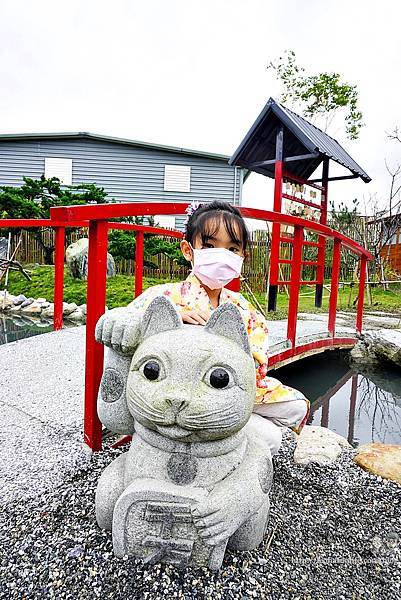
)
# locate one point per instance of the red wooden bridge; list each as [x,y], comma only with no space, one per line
[277,137]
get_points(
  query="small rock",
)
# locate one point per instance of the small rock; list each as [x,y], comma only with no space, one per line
[77,316]
[6,300]
[27,302]
[41,300]
[76,551]
[318,445]
[32,309]
[19,299]
[48,312]
[381,459]
[69,308]
[16,309]
[83,308]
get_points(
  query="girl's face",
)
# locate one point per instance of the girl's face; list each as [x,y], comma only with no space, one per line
[220,239]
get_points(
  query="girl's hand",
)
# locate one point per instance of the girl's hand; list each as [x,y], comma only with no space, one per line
[195,317]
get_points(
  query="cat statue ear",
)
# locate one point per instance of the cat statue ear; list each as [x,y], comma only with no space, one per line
[226,321]
[159,316]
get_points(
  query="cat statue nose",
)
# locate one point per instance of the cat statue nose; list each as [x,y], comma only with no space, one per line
[177,404]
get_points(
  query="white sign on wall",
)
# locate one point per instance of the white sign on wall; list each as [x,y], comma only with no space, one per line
[177,178]
[59,167]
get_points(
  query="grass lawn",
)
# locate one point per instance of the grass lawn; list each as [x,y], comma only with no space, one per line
[120,291]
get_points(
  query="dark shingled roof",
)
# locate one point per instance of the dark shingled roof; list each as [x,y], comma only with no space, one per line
[300,137]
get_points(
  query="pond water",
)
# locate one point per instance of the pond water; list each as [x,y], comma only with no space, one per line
[361,406]
[19,327]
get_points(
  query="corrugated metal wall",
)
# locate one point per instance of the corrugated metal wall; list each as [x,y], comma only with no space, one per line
[127,173]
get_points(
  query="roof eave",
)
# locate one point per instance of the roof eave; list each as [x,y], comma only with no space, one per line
[116,140]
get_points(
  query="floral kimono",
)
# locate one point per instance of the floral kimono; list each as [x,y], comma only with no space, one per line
[190,295]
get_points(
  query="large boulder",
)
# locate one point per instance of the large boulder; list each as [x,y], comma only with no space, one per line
[381,459]
[77,260]
[319,445]
[379,345]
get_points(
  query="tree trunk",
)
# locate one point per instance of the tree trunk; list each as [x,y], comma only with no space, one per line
[47,250]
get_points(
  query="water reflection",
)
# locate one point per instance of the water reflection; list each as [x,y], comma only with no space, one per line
[361,406]
[18,327]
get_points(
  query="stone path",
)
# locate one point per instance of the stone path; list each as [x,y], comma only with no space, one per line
[41,401]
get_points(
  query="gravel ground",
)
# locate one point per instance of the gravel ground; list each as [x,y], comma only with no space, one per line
[335,532]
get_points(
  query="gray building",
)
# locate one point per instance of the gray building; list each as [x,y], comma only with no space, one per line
[130,171]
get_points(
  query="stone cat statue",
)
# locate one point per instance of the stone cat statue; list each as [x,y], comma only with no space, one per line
[196,477]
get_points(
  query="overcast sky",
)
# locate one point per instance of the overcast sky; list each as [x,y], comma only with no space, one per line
[192,73]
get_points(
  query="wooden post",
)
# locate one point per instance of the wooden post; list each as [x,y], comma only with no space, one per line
[335,276]
[96,303]
[139,248]
[321,253]
[295,285]
[361,294]
[59,277]
[276,227]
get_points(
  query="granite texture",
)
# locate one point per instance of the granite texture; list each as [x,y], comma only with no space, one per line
[76,257]
[319,445]
[194,480]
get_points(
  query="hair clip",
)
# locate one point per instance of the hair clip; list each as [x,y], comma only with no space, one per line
[191,208]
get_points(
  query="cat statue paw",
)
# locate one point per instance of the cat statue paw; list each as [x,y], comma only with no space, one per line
[196,477]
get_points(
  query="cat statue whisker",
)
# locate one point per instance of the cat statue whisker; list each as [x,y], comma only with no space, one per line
[186,394]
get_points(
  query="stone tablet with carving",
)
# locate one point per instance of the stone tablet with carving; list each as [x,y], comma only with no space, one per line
[197,476]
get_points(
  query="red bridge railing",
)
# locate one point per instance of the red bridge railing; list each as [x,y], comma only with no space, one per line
[96,218]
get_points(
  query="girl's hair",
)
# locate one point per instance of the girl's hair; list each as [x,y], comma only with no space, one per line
[206,219]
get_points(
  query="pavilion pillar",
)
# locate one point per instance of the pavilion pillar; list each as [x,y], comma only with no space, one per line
[321,253]
[276,227]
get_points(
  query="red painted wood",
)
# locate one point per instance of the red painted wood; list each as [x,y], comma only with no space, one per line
[139,263]
[275,239]
[147,229]
[361,293]
[96,302]
[296,179]
[335,276]
[116,210]
[59,251]
[28,223]
[234,285]
[277,359]
[302,201]
[121,441]
[73,214]
[294,286]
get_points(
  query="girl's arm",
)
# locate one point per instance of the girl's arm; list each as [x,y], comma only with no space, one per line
[283,405]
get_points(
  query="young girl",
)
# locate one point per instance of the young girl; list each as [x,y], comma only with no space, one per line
[215,243]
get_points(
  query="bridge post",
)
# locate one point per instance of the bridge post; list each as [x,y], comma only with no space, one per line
[96,303]
[361,294]
[139,246]
[335,276]
[59,251]
[295,283]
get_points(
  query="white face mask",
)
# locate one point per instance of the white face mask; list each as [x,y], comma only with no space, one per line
[215,267]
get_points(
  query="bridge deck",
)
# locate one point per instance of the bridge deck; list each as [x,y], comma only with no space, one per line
[312,338]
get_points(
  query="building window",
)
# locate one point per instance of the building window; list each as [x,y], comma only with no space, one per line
[59,167]
[177,178]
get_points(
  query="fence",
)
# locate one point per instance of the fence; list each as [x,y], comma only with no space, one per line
[255,269]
